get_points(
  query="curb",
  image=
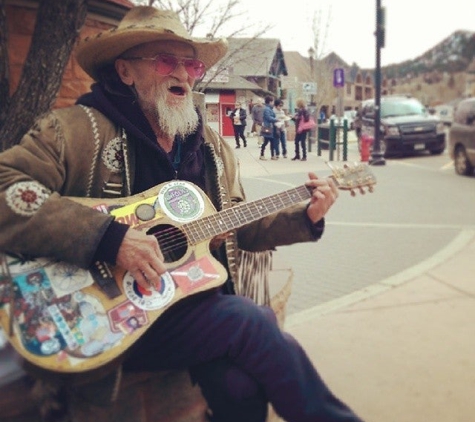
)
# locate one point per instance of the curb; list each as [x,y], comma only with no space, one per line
[439,258]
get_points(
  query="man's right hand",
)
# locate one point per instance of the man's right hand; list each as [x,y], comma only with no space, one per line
[140,254]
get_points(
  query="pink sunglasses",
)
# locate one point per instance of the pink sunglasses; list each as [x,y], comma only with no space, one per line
[167,63]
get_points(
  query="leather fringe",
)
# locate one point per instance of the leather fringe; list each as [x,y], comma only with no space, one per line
[253,276]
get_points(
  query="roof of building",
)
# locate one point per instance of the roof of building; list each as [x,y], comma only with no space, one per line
[254,56]
[297,65]
[234,82]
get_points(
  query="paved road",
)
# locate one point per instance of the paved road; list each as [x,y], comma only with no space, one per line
[418,208]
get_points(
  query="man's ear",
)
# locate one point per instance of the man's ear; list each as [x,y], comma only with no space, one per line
[123,71]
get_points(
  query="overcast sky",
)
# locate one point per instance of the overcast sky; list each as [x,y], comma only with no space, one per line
[412,26]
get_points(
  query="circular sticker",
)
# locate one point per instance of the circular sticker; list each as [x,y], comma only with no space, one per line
[145,212]
[149,299]
[181,201]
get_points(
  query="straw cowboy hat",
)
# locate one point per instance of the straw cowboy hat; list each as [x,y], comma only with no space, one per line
[140,25]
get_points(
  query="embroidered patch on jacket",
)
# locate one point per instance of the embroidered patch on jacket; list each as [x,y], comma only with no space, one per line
[113,155]
[25,198]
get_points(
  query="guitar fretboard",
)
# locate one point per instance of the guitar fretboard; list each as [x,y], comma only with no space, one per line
[242,214]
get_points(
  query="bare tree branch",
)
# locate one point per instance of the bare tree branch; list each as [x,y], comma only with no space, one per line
[321,74]
[213,19]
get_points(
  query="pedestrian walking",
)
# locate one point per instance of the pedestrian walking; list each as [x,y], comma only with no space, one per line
[257,114]
[267,130]
[302,115]
[238,117]
[280,133]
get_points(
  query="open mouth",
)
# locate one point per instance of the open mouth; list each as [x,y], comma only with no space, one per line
[177,90]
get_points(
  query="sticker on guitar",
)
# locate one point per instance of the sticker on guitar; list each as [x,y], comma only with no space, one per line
[149,299]
[180,201]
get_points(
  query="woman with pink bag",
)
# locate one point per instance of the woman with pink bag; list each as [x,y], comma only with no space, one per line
[303,124]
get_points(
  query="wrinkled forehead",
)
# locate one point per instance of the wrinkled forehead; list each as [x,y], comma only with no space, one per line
[150,49]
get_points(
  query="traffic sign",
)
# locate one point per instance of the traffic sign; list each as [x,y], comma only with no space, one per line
[339,78]
[309,87]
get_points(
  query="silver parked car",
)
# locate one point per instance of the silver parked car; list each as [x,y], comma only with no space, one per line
[462,137]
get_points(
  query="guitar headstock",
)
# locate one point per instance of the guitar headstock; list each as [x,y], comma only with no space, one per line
[353,176]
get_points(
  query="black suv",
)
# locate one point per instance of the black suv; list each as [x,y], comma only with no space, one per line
[406,126]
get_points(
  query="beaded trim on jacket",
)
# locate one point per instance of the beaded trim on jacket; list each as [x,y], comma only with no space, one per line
[110,188]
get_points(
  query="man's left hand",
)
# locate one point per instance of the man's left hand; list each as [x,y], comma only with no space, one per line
[324,195]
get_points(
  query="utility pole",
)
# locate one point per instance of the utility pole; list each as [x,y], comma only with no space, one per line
[377,157]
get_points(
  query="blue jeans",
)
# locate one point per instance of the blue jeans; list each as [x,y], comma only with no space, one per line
[280,139]
[271,141]
[256,362]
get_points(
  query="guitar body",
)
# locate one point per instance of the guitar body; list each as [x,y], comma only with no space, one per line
[68,319]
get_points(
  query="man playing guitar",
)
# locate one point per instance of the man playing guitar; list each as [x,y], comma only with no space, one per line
[136,129]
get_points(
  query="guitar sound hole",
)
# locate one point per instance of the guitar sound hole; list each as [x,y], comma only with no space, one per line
[172,241]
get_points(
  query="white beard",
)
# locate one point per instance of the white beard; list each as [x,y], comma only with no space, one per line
[174,119]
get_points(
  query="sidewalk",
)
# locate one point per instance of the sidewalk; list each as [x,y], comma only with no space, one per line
[252,166]
[403,349]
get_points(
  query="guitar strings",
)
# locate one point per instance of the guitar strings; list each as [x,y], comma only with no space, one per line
[175,238]
[171,239]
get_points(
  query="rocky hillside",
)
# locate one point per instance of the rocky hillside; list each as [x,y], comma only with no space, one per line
[452,55]
[439,75]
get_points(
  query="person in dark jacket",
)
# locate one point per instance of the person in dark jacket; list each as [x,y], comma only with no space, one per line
[238,117]
[268,121]
[138,130]
[300,139]
[257,113]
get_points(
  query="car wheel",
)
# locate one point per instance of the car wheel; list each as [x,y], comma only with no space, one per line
[461,163]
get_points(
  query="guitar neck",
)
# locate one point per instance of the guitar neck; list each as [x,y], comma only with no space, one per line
[242,214]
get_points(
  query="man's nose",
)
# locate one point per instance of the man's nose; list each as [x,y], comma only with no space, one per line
[181,72]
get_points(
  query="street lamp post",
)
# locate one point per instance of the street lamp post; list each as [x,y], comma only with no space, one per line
[377,157]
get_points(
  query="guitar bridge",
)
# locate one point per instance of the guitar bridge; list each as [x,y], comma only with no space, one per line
[102,275]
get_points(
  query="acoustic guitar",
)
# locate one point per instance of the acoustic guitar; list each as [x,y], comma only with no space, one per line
[67,319]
